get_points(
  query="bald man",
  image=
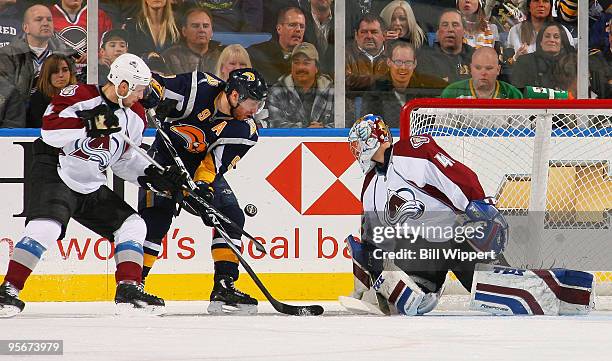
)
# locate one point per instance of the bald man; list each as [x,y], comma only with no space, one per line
[483,84]
[21,60]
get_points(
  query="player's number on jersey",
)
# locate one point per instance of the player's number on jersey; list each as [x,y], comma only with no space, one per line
[444,160]
[219,127]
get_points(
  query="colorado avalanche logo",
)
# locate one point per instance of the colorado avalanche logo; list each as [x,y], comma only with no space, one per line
[402,204]
[194,137]
[96,150]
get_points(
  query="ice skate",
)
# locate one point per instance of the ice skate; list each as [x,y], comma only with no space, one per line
[10,304]
[131,298]
[226,299]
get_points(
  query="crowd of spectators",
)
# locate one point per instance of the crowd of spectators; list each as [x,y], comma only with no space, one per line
[395,50]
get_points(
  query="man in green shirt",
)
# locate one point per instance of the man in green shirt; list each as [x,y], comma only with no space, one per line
[483,84]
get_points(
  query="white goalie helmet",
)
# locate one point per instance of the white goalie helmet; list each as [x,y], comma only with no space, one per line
[365,137]
[131,69]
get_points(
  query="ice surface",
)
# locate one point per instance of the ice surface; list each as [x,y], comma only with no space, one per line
[91,331]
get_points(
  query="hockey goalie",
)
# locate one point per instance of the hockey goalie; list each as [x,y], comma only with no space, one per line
[425,213]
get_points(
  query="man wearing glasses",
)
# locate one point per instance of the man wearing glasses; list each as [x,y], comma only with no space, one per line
[401,84]
[272,58]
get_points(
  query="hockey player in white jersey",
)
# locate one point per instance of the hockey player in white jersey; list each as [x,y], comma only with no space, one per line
[413,188]
[82,137]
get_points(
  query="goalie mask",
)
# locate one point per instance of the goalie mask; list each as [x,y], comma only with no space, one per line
[365,137]
[131,69]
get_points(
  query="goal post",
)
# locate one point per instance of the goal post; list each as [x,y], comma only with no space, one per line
[548,164]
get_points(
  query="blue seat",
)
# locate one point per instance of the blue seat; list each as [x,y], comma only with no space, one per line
[244,39]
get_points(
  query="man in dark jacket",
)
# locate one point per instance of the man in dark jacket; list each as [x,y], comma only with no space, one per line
[449,59]
[320,31]
[20,61]
[235,15]
[10,21]
[272,58]
[197,51]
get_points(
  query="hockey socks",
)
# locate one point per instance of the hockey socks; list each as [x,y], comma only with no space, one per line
[25,257]
[129,258]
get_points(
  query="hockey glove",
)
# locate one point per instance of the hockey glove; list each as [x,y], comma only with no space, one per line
[205,191]
[99,121]
[171,179]
[164,108]
[153,95]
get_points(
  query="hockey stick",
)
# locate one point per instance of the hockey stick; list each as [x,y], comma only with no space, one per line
[313,310]
[192,185]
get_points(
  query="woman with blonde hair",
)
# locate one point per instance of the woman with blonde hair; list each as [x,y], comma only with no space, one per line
[232,57]
[478,31]
[153,29]
[401,23]
[57,72]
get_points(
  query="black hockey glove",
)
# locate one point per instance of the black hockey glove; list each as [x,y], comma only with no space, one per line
[205,191]
[99,121]
[171,179]
[164,108]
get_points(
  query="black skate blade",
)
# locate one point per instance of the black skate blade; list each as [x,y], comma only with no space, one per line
[218,308]
[130,310]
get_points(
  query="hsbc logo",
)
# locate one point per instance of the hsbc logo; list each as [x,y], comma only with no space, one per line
[313,178]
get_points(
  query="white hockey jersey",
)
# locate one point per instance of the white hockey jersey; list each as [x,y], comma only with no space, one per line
[423,187]
[83,160]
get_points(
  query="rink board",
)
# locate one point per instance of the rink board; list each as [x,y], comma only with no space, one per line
[304,183]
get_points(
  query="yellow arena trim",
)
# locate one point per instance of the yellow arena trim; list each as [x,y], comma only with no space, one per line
[185,287]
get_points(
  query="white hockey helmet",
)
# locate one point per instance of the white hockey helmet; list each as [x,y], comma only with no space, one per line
[365,137]
[131,69]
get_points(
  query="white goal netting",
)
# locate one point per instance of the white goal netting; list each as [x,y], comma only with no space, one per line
[548,163]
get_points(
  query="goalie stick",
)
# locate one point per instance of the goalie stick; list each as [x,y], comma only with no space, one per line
[215,217]
[209,207]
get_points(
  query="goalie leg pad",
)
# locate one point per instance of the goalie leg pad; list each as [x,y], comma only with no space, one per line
[400,290]
[510,291]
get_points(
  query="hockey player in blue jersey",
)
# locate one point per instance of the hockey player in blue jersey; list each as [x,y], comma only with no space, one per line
[212,128]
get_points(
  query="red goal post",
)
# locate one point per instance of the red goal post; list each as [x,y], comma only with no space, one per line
[548,163]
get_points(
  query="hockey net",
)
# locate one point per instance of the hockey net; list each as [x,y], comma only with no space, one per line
[547,162]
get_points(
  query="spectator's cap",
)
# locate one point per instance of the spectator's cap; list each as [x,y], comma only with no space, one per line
[113,34]
[307,49]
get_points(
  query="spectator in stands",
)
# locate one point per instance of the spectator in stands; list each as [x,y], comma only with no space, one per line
[304,98]
[428,12]
[234,15]
[197,51]
[522,37]
[57,72]
[478,31]
[272,58]
[365,57]
[21,60]
[450,58]
[157,64]
[154,29]
[536,69]
[12,108]
[601,68]
[114,43]
[232,57]
[70,25]
[483,84]
[400,84]
[271,8]
[320,32]
[356,10]
[401,23]
[10,23]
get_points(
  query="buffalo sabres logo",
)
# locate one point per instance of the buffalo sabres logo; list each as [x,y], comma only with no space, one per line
[402,204]
[249,75]
[195,140]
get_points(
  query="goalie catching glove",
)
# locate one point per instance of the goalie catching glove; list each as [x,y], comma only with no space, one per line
[171,179]
[99,121]
[490,225]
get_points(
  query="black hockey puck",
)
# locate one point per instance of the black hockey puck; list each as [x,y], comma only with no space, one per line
[250,210]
